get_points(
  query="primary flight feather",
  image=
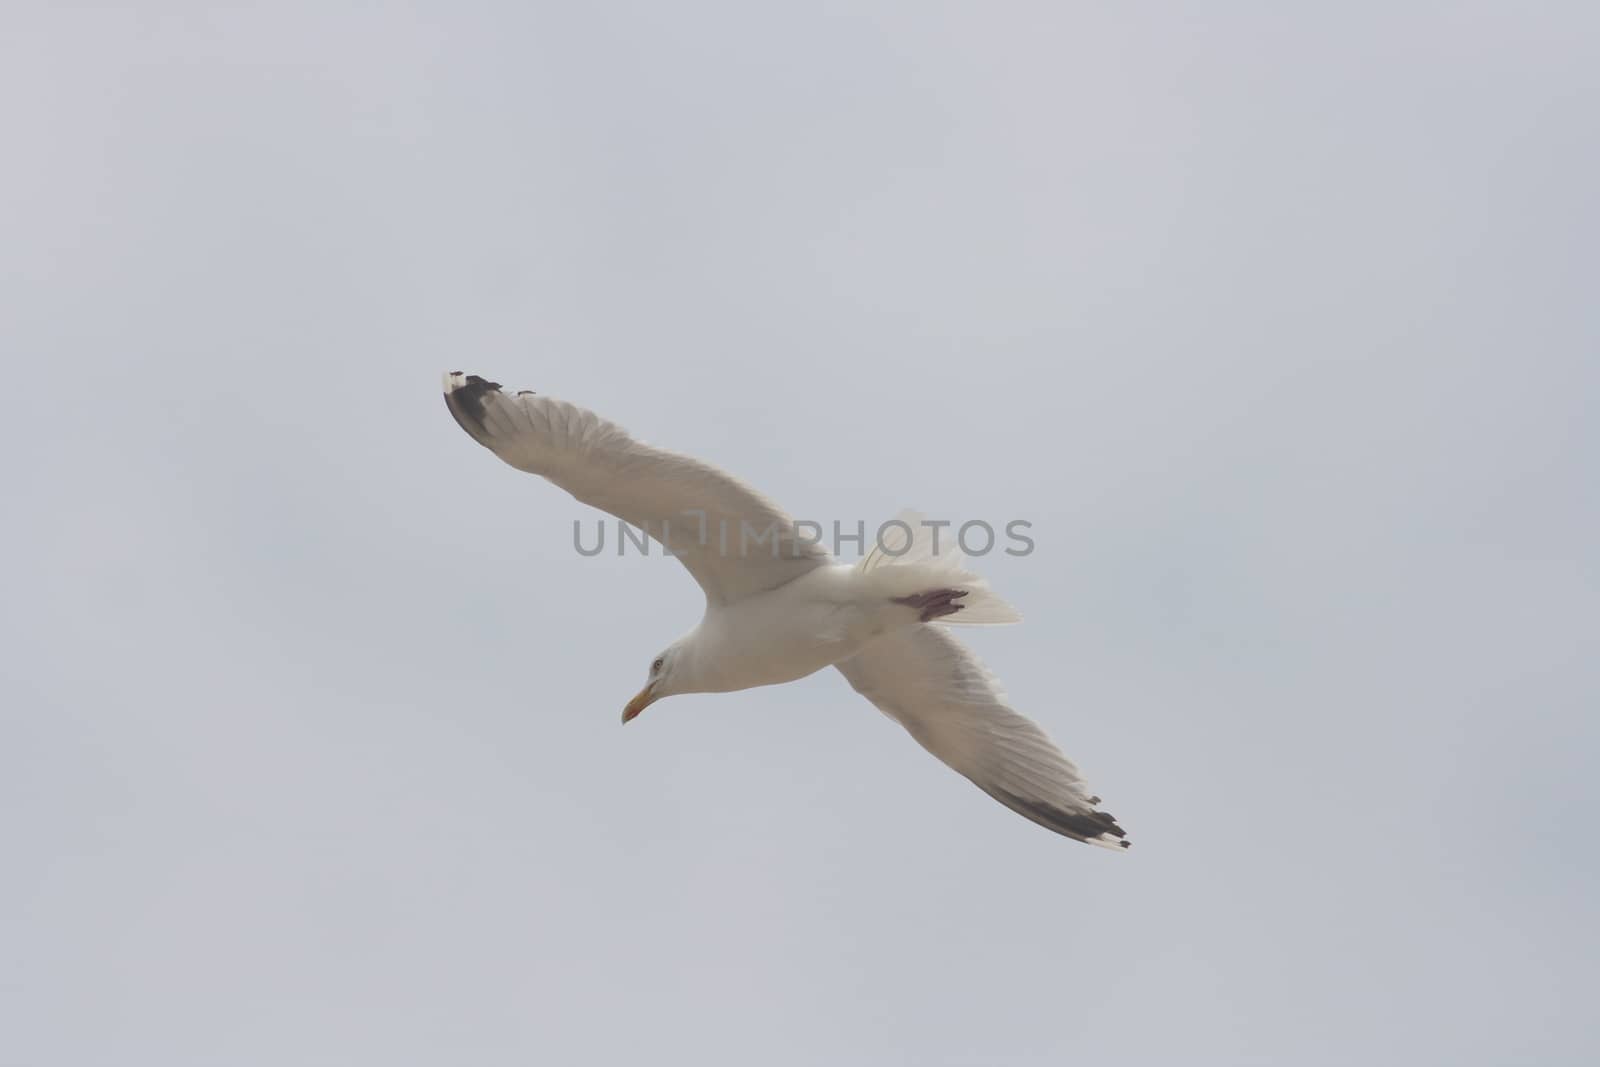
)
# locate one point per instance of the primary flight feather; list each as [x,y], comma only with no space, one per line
[784,608]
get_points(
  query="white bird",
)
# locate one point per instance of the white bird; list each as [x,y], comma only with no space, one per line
[785,608]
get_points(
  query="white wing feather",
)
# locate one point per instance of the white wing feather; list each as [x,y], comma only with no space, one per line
[931,684]
[693,508]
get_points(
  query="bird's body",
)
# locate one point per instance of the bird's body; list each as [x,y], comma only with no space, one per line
[784,634]
[820,618]
[782,609]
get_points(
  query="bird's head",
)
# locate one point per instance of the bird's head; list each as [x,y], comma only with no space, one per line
[660,683]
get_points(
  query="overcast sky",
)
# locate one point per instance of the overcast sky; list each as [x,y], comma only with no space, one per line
[1277,322]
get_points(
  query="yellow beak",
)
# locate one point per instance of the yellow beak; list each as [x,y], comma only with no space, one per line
[639,703]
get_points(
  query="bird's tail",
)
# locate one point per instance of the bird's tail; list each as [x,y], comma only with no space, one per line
[915,562]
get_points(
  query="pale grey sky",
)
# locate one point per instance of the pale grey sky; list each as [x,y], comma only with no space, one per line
[1277,322]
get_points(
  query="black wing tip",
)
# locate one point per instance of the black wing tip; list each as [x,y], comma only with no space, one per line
[464,395]
[460,381]
[1095,827]
[1107,829]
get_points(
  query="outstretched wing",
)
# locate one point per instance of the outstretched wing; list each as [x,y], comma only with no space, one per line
[733,540]
[930,683]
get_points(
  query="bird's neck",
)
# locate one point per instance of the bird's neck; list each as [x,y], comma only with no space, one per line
[697,669]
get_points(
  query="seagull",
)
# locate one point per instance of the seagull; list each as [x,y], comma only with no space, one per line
[783,608]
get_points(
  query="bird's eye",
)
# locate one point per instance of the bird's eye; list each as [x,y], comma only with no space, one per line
[655,668]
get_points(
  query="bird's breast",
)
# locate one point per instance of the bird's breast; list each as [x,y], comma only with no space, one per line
[784,634]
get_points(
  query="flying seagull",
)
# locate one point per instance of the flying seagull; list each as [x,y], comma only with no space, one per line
[781,608]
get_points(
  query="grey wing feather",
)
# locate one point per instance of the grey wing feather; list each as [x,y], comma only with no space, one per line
[930,683]
[734,541]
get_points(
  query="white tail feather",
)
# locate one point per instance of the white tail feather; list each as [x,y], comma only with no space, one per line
[912,558]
